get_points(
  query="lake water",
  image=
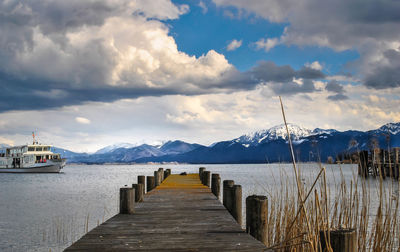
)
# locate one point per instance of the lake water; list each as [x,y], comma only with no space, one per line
[39,212]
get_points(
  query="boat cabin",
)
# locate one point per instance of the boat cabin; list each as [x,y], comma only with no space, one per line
[21,156]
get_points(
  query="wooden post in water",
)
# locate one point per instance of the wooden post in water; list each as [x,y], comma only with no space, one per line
[207,178]
[126,200]
[150,183]
[201,170]
[343,240]
[161,174]
[216,184]
[227,196]
[139,195]
[256,217]
[156,179]
[236,192]
[141,179]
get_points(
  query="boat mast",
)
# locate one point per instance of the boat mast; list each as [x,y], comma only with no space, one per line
[33,136]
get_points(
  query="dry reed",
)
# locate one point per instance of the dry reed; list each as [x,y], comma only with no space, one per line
[297,214]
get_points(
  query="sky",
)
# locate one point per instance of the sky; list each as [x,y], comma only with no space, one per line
[86,74]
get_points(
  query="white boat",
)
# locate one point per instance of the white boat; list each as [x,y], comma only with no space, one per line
[35,158]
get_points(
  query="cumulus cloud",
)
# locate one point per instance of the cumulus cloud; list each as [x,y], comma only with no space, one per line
[315,65]
[266,44]
[57,53]
[386,72]
[365,26]
[234,44]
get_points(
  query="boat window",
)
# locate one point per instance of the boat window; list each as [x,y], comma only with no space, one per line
[45,148]
[39,148]
[31,149]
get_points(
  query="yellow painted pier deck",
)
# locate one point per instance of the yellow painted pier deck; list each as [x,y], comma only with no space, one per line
[181,214]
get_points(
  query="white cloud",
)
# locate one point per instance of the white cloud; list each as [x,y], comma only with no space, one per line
[82,120]
[266,44]
[160,9]
[315,65]
[203,7]
[234,44]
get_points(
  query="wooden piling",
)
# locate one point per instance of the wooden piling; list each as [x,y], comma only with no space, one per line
[161,174]
[201,170]
[141,179]
[344,240]
[216,185]
[226,194]
[126,200]
[169,171]
[139,195]
[236,192]
[157,181]
[207,178]
[256,217]
[150,183]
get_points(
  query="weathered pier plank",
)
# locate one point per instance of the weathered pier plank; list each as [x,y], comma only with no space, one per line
[181,214]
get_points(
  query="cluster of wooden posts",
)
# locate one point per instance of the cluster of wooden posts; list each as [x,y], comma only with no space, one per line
[129,195]
[379,163]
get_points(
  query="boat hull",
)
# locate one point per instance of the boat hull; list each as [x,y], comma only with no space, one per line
[54,167]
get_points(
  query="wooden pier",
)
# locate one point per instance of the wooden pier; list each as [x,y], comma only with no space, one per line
[180,214]
[379,163]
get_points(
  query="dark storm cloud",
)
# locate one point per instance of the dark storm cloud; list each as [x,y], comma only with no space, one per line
[309,73]
[280,78]
[268,71]
[291,88]
[20,95]
[336,87]
[387,74]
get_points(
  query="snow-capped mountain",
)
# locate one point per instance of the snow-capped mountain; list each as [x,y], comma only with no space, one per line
[279,132]
[177,147]
[259,147]
[318,131]
[113,147]
[392,128]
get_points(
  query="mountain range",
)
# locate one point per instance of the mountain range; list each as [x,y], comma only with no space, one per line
[259,147]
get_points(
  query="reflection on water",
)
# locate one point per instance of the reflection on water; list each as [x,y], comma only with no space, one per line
[39,212]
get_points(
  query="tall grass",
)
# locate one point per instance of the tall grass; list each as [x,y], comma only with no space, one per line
[348,206]
[298,213]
